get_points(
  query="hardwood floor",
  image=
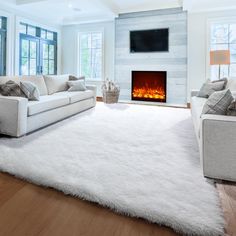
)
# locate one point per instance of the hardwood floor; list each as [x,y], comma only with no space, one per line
[29,210]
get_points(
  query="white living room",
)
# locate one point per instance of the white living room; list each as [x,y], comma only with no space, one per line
[117,117]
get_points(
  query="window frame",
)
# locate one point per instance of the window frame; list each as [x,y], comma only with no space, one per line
[3,59]
[210,22]
[101,31]
[41,41]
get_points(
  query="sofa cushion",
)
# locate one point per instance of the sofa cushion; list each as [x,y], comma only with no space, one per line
[76,96]
[231,84]
[38,80]
[79,96]
[56,83]
[197,105]
[47,103]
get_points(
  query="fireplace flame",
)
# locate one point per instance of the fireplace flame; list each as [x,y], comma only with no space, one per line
[149,93]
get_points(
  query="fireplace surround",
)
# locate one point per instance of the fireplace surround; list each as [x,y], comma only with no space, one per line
[149,86]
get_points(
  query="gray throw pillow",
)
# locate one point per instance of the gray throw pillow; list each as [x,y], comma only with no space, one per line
[225,80]
[30,89]
[11,88]
[231,111]
[218,103]
[73,78]
[77,85]
[209,88]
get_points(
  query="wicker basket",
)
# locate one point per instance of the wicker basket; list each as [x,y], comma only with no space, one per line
[111,96]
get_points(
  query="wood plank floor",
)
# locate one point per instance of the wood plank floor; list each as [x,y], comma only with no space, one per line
[29,210]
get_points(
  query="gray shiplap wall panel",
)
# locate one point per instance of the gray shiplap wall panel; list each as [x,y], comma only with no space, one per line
[174,61]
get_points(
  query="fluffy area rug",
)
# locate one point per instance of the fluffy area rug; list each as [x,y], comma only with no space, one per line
[142,161]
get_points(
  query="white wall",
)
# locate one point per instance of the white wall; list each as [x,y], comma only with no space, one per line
[198,45]
[70,48]
[13,20]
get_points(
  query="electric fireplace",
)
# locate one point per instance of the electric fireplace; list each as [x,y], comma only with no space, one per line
[149,86]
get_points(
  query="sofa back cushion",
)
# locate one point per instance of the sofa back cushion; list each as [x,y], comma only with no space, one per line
[56,83]
[231,84]
[37,80]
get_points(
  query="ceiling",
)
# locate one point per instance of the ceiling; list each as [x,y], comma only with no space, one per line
[64,12]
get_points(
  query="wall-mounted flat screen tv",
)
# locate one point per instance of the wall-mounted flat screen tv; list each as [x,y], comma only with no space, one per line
[156,40]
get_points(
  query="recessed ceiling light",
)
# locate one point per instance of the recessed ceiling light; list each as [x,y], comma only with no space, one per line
[70,5]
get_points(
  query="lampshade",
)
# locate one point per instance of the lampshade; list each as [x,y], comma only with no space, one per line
[220,57]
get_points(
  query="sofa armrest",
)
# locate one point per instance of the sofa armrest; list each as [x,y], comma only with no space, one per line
[194,92]
[13,116]
[217,146]
[93,88]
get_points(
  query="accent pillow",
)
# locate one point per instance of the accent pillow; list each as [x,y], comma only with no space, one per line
[74,78]
[56,83]
[10,88]
[209,88]
[231,111]
[30,90]
[218,103]
[225,80]
[77,85]
[38,80]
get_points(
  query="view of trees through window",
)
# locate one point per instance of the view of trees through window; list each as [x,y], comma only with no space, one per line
[223,37]
[90,55]
[38,51]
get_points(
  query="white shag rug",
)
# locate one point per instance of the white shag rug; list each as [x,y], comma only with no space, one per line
[142,161]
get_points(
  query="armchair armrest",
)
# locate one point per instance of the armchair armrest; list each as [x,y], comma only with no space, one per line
[194,92]
[13,116]
[217,146]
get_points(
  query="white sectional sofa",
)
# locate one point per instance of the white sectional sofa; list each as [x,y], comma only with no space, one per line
[217,139]
[18,116]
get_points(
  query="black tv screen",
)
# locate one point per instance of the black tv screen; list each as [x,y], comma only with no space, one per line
[156,40]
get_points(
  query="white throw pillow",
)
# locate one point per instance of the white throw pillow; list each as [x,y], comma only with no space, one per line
[77,85]
[56,83]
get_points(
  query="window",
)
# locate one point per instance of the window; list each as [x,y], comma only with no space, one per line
[38,51]
[3,38]
[90,55]
[223,36]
